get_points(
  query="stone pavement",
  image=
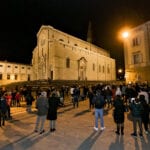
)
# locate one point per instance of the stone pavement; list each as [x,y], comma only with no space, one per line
[74,131]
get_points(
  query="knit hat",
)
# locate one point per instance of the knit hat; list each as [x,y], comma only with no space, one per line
[43,94]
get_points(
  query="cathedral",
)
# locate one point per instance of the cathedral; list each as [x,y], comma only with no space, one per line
[60,56]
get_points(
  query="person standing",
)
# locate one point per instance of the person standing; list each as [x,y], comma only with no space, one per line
[119,109]
[108,96]
[76,93]
[136,110]
[145,113]
[42,109]
[90,96]
[3,109]
[99,103]
[29,99]
[53,103]
[8,101]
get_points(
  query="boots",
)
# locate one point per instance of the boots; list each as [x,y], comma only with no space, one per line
[118,130]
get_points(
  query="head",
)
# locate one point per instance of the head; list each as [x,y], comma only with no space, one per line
[142,98]
[44,94]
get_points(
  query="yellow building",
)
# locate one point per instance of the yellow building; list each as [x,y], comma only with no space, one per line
[137,54]
[60,56]
[14,72]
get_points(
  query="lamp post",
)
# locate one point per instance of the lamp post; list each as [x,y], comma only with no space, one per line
[120,74]
[124,35]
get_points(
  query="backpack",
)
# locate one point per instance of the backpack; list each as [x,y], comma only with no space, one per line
[99,101]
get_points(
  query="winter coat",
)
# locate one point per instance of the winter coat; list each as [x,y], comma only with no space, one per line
[136,109]
[29,99]
[145,112]
[98,101]
[53,103]
[42,106]
[119,110]
[3,105]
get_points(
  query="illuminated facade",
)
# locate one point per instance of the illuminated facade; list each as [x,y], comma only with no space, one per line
[14,72]
[60,56]
[137,54]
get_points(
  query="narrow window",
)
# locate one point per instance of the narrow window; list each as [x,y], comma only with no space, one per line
[1,76]
[8,76]
[68,63]
[16,77]
[93,67]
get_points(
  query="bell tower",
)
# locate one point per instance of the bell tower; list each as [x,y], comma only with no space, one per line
[89,33]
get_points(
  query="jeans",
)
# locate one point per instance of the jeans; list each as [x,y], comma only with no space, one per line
[99,114]
[137,120]
[40,121]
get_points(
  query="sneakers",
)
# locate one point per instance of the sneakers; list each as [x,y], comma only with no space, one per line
[95,128]
[134,134]
[35,130]
[103,128]
[42,131]
[117,132]
[52,130]
[141,135]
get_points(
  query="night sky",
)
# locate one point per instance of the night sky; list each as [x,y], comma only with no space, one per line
[22,19]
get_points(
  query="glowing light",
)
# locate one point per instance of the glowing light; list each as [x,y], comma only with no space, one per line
[120,70]
[125,34]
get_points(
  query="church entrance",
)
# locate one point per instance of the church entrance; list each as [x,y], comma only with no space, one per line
[82,62]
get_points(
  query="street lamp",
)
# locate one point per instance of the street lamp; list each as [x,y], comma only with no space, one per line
[125,34]
[120,74]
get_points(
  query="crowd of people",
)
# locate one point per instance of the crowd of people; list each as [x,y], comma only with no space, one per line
[134,98]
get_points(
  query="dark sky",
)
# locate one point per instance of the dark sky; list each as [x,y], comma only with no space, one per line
[21,20]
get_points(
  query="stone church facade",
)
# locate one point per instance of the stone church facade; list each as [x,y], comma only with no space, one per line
[60,56]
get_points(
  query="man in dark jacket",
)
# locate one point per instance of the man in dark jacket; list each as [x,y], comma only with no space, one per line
[136,110]
[3,109]
[99,103]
